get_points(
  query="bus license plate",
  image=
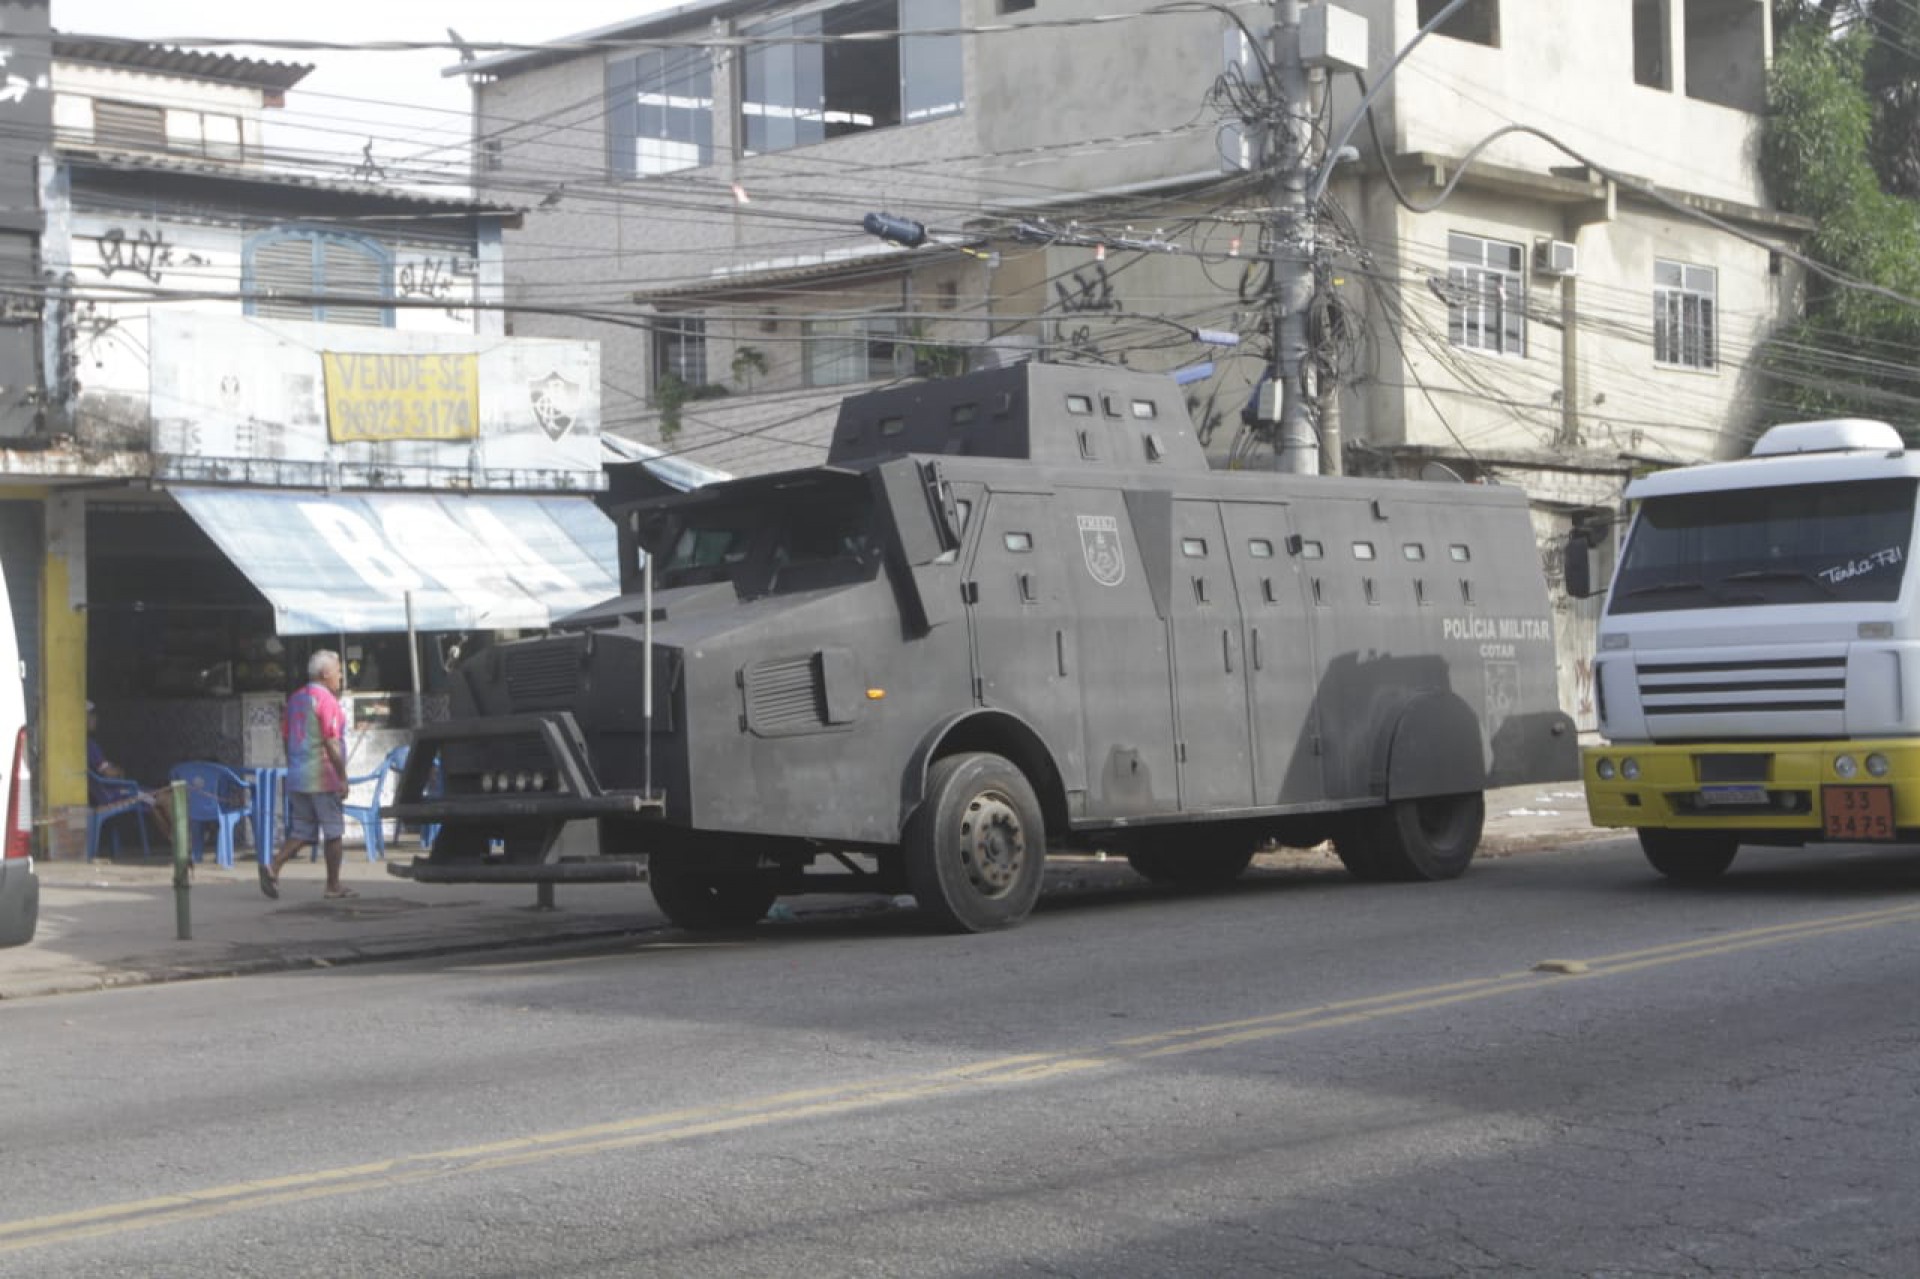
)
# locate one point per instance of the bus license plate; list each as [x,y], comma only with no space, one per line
[1733,796]
[1855,813]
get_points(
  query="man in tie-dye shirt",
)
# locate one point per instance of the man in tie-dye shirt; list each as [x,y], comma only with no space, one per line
[316,731]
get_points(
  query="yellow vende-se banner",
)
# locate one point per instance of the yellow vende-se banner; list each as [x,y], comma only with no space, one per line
[401,397]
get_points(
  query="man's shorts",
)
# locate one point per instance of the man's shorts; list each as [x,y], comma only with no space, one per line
[315,814]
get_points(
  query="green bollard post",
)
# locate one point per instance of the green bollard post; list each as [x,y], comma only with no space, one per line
[182,864]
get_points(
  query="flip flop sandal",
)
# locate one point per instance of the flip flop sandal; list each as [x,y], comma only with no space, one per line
[267,882]
[344,892]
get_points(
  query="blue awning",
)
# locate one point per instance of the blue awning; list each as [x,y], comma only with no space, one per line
[333,563]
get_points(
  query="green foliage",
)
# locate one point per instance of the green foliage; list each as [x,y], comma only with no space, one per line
[671,393]
[1818,158]
[748,361]
[935,359]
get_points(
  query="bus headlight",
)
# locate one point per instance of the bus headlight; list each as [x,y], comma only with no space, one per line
[1843,766]
[1877,764]
[1605,769]
[1630,769]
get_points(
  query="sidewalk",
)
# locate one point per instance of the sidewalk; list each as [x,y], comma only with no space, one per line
[105,924]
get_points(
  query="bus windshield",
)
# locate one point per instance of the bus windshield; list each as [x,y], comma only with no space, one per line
[1798,544]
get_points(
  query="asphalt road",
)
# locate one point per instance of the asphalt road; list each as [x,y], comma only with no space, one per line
[1558,1065]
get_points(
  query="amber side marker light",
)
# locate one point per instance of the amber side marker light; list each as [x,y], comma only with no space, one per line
[875,694]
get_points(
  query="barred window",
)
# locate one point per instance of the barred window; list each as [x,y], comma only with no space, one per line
[1486,295]
[680,351]
[1684,320]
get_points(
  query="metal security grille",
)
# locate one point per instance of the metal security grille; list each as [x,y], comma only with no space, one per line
[785,695]
[544,675]
[1775,685]
[292,274]
[349,269]
[283,270]
[129,124]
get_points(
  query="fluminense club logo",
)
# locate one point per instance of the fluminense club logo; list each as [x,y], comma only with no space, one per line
[556,403]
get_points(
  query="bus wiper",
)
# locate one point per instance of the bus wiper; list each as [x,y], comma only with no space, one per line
[1780,575]
[1664,588]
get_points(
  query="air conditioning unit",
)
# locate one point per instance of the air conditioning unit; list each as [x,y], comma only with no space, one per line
[1555,257]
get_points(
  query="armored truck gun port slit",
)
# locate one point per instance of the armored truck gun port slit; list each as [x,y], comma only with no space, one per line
[1014,611]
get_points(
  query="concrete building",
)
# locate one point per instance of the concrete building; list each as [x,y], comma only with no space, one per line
[1550,313]
[266,409]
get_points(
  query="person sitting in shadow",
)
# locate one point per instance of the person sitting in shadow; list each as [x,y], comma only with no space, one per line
[156,806]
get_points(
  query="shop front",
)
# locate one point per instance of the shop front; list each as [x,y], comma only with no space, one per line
[401,498]
[206,604]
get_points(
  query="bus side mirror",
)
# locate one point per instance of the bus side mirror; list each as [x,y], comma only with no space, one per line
[1582,566]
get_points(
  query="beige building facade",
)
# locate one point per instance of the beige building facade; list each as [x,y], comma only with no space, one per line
[1571,283]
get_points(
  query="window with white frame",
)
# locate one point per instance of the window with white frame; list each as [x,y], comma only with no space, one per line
[1486,294]
[855,348]
[1685,322]
[659,112]
[680,351]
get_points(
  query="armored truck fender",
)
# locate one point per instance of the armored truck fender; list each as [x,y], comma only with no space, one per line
[991,732]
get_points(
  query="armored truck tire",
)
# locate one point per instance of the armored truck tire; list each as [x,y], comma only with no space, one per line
[704,893]
[976,848]
[1192,857]
[1429,838]
[1689,856]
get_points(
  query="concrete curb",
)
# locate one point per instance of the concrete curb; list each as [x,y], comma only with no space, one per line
[107,926]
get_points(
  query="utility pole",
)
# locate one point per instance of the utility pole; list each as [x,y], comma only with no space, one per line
[1308,39]
[1292,242]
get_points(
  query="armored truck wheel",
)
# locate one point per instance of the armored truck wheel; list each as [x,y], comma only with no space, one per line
[1430,838]
[1689,856]
[1201,858]
[706,893]
[976,848]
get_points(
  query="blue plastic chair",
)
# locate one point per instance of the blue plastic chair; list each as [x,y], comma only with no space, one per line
[372,829]
[121,797]
[218,797]
[269,809]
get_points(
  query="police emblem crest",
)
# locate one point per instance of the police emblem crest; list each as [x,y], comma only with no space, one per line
[1100,544]
[556,401]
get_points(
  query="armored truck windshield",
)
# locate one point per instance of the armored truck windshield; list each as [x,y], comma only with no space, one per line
[790,533]
[1794,544]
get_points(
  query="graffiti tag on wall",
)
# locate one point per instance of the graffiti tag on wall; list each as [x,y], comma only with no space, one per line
[1089,293]
[146,253]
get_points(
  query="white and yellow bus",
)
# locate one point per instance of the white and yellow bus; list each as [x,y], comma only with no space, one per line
[1758,673]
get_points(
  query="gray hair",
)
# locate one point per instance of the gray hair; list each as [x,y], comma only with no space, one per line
[321,661]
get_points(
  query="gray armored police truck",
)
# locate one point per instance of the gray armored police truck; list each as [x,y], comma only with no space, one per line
[1015,611]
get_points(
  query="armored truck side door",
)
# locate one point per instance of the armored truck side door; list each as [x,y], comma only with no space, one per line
[1209,655]
[1280,666]
[1022,624]
[1123,661]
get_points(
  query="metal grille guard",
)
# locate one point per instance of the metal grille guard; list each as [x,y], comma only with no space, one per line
[578,791]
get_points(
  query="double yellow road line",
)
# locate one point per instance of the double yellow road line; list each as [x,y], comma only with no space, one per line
[840,1099]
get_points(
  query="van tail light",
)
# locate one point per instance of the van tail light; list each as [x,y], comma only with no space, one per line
[19,802]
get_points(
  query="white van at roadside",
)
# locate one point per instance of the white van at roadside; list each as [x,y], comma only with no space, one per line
[19,888]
